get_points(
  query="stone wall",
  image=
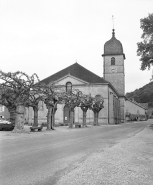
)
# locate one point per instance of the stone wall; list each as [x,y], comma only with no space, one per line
[112,108]
[59,116]
[116,78]
[122,109]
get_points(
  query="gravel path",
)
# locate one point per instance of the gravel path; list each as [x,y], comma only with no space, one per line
[129,162]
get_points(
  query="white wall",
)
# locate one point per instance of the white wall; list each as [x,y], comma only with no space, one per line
[133,108]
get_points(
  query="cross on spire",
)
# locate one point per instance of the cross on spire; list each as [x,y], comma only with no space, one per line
[113,20]
[113,33]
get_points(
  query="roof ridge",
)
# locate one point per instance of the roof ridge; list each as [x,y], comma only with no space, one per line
[88,70]
[57,72]
[77,71]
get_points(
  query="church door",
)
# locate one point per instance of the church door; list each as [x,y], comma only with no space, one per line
[66,115]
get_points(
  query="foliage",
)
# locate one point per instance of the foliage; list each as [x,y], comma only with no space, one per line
[52,96]
[35,96]
[97,103]
[145,47]
[72,99]
[85,104]
[86,101]
[18,85]
[7,98]
[135,117]
[15,94]
[19,90]
[143,94]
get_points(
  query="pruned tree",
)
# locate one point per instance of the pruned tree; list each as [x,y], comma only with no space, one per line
[97,105]
[85,104]
[19,85]
[50,103]
[145,47]
[76,98]
[71,100]
[35,96]
[53,114]
[52,96]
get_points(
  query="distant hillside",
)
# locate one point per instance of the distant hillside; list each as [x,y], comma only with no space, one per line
[142,95]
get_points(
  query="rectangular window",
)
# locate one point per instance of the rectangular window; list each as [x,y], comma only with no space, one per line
[1,108]
[41,106]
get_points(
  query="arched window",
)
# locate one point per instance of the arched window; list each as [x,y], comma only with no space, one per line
[68,86]
[112,61]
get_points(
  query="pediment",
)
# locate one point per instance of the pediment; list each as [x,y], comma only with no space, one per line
[70,78]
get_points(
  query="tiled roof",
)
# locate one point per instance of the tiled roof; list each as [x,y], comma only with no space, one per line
[136,103]
[77,71]
[145,105]
[113,47]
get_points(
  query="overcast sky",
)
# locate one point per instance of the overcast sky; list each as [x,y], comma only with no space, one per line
[45,36]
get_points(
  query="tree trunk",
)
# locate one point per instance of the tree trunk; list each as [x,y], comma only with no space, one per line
[49,118]
[71,119]
[19,121]
[96,118]
[52,121]
[35,109]
[84,109]
[53,117]
[84,119]
[55,109]
[97,114]
[12,112]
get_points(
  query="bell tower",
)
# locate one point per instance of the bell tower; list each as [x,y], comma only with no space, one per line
[113,69]
[113,64]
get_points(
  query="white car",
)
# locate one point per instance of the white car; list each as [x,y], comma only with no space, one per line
[6,125]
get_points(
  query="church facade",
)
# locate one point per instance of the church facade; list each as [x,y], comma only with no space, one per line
[111,87]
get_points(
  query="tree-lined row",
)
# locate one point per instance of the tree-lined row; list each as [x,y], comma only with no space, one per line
[18,90]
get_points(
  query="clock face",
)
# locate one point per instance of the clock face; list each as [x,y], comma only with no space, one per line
[113,69]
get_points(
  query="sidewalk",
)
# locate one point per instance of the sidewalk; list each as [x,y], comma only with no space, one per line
[27,133]
[129,162]
[11,135]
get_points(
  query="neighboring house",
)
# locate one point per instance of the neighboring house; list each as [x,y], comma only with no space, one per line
[138,111]
[149,107]
[150,112]
[111,87]
[4,112]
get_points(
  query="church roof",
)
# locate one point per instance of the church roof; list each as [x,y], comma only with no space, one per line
[113,46]
[77,71]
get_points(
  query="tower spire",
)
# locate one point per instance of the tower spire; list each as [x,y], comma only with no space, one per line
[113,20]
[113,33]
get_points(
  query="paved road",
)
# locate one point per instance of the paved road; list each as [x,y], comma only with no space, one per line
[42,158]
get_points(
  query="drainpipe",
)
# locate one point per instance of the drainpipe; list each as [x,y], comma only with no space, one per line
[108,104]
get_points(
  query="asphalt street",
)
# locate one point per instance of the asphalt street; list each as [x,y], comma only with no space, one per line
[44,157]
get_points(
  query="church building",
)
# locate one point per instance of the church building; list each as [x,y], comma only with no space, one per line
[111,87]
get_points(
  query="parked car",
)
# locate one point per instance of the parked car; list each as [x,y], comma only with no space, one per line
[6,125]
